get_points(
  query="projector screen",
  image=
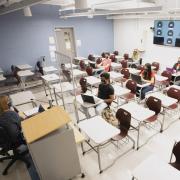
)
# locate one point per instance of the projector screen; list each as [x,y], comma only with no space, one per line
[167,32]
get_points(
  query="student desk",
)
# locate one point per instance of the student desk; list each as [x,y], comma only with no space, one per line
[2,78]
[100,132]
[1,71]
[120,91]
[68,66]
[78,73]
[52,145]
[48,80]
[21,98]
[49,69]
[166,102]
[133,71]
[115,76]
[24,67]
[176,77]
[22,75]
[86,105]
[115,66]
[92,81]
[139,113]
[153,168]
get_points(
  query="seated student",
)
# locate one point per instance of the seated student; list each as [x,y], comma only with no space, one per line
[105,92]
[176,66]
[106,63]
[10,120]
[148,76]
[135,55]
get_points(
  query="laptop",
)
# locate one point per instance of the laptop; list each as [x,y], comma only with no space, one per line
[137,79]
[89,99]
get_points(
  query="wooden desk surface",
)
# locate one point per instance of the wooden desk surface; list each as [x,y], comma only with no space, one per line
[44,123]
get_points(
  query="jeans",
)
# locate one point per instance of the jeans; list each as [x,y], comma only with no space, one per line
[145,90]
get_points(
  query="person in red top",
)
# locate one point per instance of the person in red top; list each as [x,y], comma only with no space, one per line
[147,75]
[106,63]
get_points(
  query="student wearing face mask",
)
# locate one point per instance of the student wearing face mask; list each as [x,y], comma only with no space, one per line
[147,75]
[105,92]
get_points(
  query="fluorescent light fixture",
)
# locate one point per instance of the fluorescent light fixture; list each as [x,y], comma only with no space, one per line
[27,11]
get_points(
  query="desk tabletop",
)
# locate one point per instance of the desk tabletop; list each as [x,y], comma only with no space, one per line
[24,66]
[120,91]
[22,98]
[166,100]
[143,85]
[80,58]
[86,104]
[92,80]
[44,123]
[98,129]
[176,74]
[66,86]
[160,78]
[50,77]
[173,86]
[114,65]
[1,71]
[25,73]
[68,66]
[77,72]
[2,78]
[115,75]
[134,71]
[153,168]
[49,69]
[137,111]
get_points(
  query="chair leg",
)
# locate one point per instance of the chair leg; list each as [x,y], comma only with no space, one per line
[5,172]
[24,159]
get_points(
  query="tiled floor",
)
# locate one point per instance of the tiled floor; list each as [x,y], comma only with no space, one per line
[161,144]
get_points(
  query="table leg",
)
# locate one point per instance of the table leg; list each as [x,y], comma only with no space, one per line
[138,135]
[55,96]
[162,126]
[99,160]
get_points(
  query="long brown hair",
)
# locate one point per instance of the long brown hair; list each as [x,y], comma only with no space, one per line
[147,73]
[4,103]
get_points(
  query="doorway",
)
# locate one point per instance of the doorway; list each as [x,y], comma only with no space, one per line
[65,41]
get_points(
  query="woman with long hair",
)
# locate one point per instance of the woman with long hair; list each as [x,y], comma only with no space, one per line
[147,75]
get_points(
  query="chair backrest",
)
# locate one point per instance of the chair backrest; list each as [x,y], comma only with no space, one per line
[5,141]
[167,74]
[89,71]
[98,61]
[174,93]
[154,104]
[126,56]
[116,53]
[140,67]
[126,73]
[91,57]
[124,119]
[176,152]
[83,84]
[112,57]
[67,74]
[131,85]
[82,65]
[124,63]
[156,64]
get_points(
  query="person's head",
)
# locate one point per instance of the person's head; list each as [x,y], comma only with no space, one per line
[147,67]
[106,55]
[105,78]
[4,103]
[83,83]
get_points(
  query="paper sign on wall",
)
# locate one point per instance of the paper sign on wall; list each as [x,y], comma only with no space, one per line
[51,40]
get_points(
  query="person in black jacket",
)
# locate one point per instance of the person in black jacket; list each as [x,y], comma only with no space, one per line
[10,120]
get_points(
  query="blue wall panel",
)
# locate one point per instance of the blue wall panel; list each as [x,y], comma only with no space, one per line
[25,39]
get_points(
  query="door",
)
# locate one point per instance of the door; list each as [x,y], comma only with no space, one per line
[65,41]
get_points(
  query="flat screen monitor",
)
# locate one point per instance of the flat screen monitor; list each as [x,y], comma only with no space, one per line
[177,43]
[158,40]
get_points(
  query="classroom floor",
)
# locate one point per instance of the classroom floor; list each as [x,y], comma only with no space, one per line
[161,144]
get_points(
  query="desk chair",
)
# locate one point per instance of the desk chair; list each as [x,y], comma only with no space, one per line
[126,74]
[124,123]
[91,57]
[14,71]
[156,64]
[89,70]
[126,56]
[154,104]
[124,63]
[98,61]
[131,85]
[176,152]
[19,151]
[169,76]
[82,65]
[113,58]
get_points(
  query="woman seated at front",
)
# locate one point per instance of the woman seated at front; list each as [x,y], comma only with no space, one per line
[148,76]
[106,63]
[176,66]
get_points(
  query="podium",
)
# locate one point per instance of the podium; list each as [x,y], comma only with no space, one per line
[52,145]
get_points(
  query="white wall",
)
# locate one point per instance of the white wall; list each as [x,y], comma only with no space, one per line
[136,33]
